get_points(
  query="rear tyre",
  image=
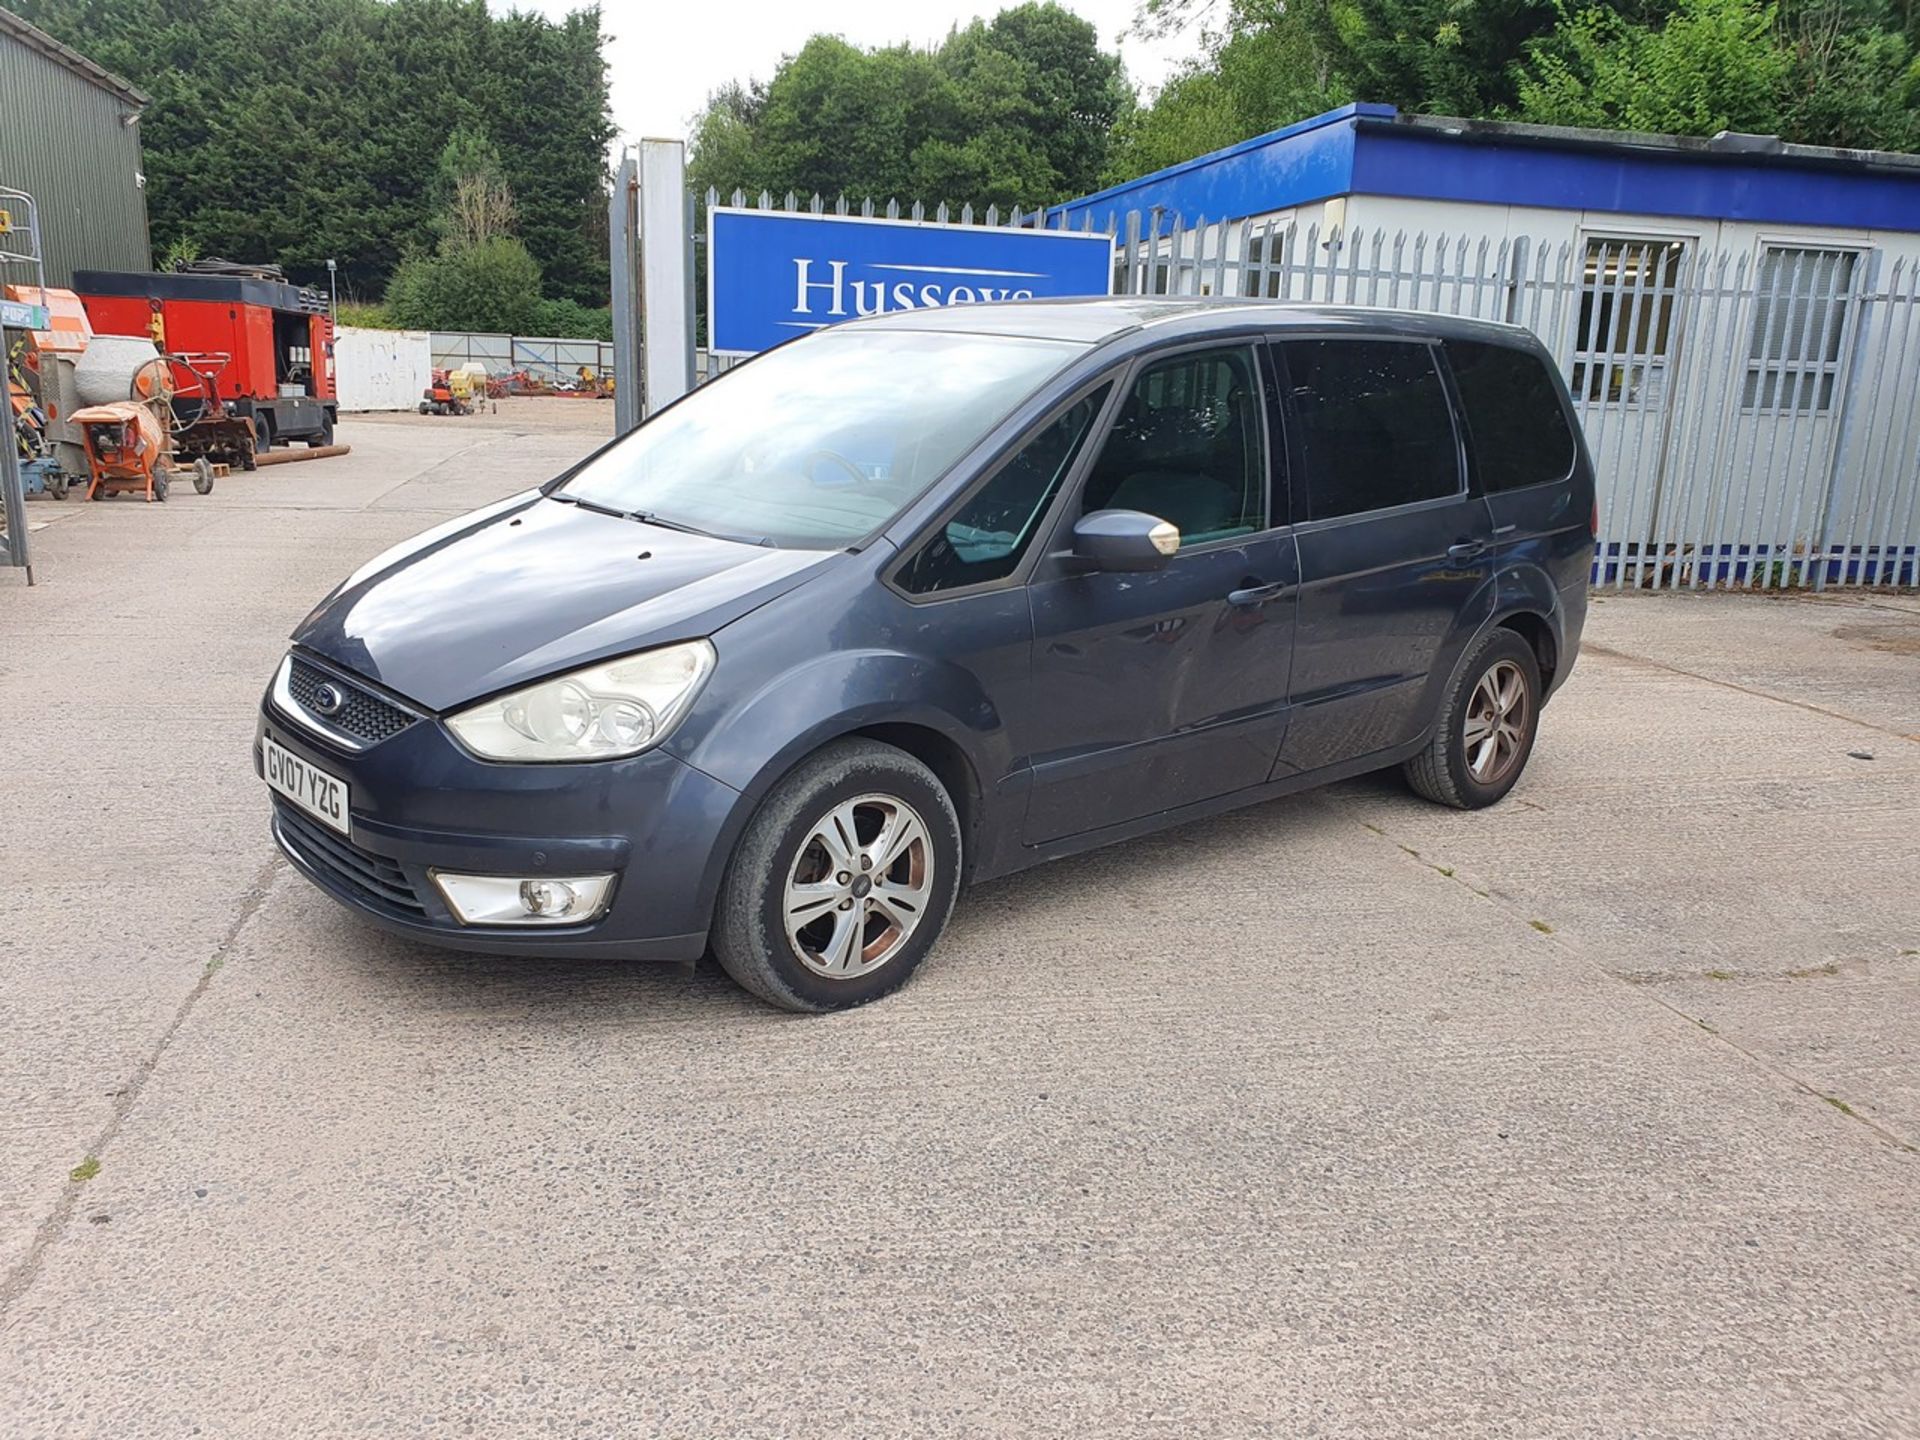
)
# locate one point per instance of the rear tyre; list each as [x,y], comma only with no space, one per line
[262,434]
[202,476]
[1486,726]
[842,882]
[160,485]
[324,435]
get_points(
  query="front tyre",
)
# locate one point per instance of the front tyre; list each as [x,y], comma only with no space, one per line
[1486,726]
[842,882]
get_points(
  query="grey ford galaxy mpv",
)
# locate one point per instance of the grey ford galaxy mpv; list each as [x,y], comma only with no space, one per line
[929,598]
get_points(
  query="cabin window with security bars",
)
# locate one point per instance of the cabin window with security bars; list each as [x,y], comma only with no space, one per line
[1800,314]
[1629,296]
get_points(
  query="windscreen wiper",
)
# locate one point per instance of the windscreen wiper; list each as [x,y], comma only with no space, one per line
[648,517]
[594,505]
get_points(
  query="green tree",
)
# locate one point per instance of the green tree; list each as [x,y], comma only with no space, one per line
[570,320]
[1832,72]
[1058,87]
[1854,79]
[494,286]
[1714,65]
[838,119]
[1016,110]
[296,130]
[723,153]
[470,190]
[1450,57]
[1430,56]
[547,86]
[1250,80]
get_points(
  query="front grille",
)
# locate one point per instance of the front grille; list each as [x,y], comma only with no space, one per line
[365,716]
[374,878]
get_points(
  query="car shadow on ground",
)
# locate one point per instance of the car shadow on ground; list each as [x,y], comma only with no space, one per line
[996,918]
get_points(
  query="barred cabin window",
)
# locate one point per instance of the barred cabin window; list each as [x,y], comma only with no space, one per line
[1627,301]
[1268,246]
[1799,321]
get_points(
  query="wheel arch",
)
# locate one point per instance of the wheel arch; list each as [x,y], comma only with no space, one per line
[935,713]
[1538,632]
[1527,602]
[951,765]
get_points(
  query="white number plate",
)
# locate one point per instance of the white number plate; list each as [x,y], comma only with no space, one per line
[321,795]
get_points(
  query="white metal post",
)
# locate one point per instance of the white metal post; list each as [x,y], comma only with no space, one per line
[666,336]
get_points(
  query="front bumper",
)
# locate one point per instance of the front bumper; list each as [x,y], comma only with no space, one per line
[420,803]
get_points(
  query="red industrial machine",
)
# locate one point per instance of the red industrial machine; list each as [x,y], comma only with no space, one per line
[273,337]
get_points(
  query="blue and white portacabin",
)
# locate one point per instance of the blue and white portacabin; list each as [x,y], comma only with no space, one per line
[772,275]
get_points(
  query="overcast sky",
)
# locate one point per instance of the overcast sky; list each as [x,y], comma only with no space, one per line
[665,58]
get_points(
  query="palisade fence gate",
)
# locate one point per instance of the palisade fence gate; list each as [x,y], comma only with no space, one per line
[554,361]
[1753,414]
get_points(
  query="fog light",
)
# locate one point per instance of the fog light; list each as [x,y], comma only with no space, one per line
[524,900]
[547,899]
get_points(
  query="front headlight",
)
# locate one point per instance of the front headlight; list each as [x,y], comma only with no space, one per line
[618,707]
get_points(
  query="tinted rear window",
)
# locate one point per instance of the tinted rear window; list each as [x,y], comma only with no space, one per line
[1517,429]
[1374,426]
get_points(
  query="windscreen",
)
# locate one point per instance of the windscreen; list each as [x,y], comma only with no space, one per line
[821,442]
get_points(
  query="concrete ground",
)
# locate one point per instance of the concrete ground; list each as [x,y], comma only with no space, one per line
[1595,1114]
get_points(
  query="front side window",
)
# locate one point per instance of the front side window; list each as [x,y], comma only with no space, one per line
[1374,425]
[989,534]
[818,443]
[1516,426]
[1799,319]
[1188,446]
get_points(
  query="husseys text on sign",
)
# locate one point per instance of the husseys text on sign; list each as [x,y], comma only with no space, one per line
[772,275]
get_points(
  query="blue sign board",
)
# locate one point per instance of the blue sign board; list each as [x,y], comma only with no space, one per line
[772,275]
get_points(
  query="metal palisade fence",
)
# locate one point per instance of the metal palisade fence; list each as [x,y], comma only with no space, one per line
[1753,412]
[554,361]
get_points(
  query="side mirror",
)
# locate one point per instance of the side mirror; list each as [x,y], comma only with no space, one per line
[1124,540]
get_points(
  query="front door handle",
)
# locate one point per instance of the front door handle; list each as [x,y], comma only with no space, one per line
[1257,594]
[1467,550]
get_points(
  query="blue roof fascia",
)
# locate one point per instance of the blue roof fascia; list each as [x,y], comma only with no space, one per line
[1413,164]
[1305,162]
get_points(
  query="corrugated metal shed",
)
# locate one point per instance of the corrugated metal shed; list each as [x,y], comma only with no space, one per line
[68,138]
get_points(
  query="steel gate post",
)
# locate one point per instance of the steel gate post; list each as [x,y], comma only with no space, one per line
[621,219]
[13,545]
[14,548]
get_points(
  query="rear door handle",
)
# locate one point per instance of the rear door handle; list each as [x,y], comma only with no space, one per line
[1467,550]
[1257,594]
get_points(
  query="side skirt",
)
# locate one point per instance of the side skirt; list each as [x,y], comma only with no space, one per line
[1010,859]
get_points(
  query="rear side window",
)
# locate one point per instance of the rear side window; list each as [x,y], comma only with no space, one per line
[1517,430]
[991,531]
[1373,425]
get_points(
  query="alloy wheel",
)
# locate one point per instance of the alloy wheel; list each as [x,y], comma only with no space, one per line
[859,886]
[1496,728]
